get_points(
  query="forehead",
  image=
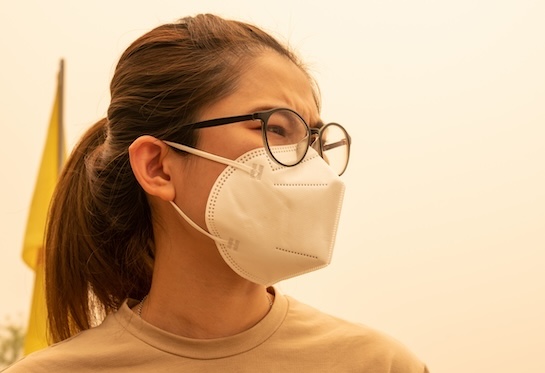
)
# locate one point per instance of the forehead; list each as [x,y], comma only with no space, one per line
[270,81]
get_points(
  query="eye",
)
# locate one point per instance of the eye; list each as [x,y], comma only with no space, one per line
[254,125]
[281,123]
[276,129]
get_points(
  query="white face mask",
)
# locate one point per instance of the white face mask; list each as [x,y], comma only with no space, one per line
[272,222]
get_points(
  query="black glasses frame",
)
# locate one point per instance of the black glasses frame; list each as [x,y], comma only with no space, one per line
[264,116]
[321,147]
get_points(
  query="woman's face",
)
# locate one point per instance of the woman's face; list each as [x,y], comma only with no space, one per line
[271,81]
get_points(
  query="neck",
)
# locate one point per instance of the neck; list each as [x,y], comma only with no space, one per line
[216,315]
[195,294]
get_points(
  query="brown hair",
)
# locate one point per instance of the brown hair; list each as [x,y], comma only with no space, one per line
[99,241]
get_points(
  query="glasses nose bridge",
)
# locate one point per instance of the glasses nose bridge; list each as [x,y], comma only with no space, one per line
[314,138]
[315,133]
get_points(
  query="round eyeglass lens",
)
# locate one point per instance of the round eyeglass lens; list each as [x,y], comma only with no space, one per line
[287,137]
[335,146]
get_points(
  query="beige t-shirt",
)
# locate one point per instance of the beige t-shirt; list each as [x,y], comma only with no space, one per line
[293,337]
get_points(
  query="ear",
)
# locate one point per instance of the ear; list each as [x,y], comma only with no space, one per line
[152,168]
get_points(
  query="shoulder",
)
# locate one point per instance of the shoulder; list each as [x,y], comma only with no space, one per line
[352,341]
[92,349]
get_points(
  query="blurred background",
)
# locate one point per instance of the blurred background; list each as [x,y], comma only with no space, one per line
[442,237]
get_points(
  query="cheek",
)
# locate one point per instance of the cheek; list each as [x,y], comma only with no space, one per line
[231,141]
[199,175]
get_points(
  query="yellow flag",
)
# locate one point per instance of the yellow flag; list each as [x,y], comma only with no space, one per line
[52,158]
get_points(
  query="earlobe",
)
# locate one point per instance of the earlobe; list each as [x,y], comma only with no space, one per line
[149,163]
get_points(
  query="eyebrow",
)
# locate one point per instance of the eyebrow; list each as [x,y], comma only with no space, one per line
[319,124]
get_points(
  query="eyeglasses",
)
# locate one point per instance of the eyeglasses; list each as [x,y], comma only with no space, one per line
[287,137]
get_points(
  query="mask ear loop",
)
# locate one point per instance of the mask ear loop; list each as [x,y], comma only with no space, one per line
[212,157]
[230,243]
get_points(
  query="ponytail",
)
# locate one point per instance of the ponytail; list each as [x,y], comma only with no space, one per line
[99,240]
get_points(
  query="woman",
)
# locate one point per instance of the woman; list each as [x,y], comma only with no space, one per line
[211,178]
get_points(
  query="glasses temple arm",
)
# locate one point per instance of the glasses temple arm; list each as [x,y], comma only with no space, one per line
[336,144]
